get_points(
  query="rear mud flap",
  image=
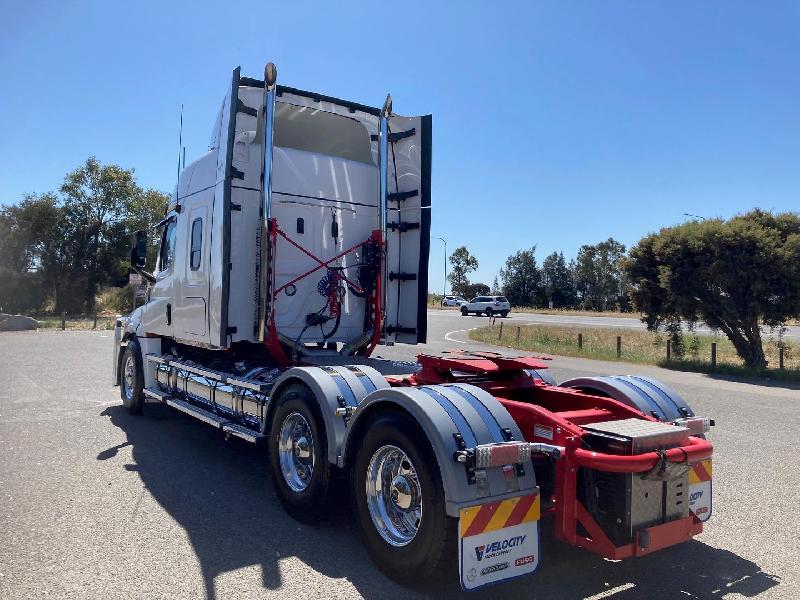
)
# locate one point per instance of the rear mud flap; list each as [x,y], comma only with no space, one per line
[700,501]
[498,541]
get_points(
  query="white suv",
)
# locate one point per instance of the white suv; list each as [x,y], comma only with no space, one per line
[453,301]
[488,305]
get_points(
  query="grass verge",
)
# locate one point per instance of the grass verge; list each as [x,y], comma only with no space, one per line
[640,346]
[76,323]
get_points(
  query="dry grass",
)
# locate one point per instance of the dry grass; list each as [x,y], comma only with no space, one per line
[638,346]
[77,323]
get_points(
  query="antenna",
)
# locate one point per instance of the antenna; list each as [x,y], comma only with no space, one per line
[180,145]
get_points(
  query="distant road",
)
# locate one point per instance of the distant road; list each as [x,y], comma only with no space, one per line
[570,320]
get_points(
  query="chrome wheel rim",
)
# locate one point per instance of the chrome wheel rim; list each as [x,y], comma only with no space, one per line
[129,377]
[394,495]
[296,452]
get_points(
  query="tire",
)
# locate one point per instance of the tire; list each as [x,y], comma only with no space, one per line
[464,311]
[303,496]
[131,379]
[504,313]
[434,540]
[489,312]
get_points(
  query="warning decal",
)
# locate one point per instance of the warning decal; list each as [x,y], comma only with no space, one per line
[700,490]
[499,540]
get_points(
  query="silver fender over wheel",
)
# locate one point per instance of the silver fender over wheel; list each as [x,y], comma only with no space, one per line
[352,383]
[445,414]
[647,395]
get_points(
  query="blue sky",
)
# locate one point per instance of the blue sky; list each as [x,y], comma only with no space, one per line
[555,123]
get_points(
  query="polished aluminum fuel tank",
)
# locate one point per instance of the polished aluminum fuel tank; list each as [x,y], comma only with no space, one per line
[243,396]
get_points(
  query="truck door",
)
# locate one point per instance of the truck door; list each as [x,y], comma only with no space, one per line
[158,318]
[191,312]
[408,228]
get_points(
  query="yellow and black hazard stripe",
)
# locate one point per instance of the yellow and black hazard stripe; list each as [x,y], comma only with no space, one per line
[500,514]
[700,472]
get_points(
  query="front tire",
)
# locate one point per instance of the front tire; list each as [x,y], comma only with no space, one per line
[464,311]
[131,381]
[504,313]
[399,501]
[489,312]
[298,454]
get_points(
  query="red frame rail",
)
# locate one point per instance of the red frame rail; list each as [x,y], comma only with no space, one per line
[533,402]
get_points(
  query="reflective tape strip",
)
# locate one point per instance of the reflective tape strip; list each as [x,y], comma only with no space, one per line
[455,415]
[700,472]
[344,388]
[660,393]
[654,404]
[363,379]
[498,515]
[488,418]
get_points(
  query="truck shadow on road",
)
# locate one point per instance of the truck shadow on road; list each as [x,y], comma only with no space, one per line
[221,494]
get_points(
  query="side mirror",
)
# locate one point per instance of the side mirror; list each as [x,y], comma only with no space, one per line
[139,250]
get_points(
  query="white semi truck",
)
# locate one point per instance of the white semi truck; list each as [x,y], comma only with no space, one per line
[289,251]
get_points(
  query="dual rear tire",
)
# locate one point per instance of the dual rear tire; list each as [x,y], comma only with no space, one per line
[395,486]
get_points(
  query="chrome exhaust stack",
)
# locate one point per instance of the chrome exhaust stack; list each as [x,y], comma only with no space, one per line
[268,112]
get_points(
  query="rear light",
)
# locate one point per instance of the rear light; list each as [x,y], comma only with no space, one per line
[695,425]
[508,453]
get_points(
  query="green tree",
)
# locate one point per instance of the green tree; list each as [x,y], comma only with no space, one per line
[97,200]
[733,275]
[598,275]
[29,245]
[522,278]
[475,289]
[557,281]
[63,248]
[462,264]
[496,287]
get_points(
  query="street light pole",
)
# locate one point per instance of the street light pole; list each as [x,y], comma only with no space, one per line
[444,241]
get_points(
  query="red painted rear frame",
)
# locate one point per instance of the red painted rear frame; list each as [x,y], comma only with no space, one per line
[531,402]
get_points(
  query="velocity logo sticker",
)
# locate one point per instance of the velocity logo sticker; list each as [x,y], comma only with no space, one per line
[499,547]
[498,540]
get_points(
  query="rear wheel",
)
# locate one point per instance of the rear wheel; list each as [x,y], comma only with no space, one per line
[131,383]
[298,454]
[399,500]
[504,313]
[489,312]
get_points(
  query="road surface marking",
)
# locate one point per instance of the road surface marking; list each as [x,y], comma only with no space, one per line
[449,333]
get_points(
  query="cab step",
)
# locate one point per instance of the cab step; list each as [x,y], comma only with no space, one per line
[228,427]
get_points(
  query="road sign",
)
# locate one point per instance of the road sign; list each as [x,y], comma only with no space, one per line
[135,279]
[140,291]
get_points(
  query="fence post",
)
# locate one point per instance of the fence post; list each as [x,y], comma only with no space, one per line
[63,320]
[780,358]
[516,337]
[619,346]
[580,341]
[669,349]
[713,355]
[95,319]
[500,335]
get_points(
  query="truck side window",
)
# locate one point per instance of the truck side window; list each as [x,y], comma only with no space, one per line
[168,246]
[197,244]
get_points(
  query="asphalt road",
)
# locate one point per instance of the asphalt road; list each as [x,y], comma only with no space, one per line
[455,317]
[95,503]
